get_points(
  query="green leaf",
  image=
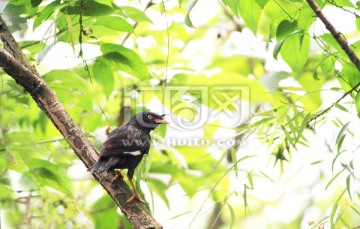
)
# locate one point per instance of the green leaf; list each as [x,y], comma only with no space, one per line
[250,12]
[190,6]
[115,23]
[161,130]
[45,173]
[202,160]
[71,32]
[232,4]
[291,125]
[233,63]
[245,198]
[93,8]
[19,2]
[46,13]
[332,42]
[3,159]
[316,162]
[335,208]
[35,3]
[69,87]
[339,141]
[326,64]
[105,2]
[287,135]
[351,72]
[124,59]
[159,188]
[135,14]
[295,49]
[340,107]
[19,145]
[332,179]
[162,7]
[232,215]
[279,45]
[312,101]
[261,3]
[5,193]
[357,102]
[357,22]
[302,127]
[105,213]
[355,210]
[181,214]
[332,214]
[234,158]
[251,182]
[346,3]
[306,17]
[267,176]
[341,132]
[104,76]
[145,166]
[285,28]
[339,144]
[348,179]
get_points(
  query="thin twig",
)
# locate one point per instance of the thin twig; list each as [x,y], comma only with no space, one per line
[216,184]
[337,101]
[134,26]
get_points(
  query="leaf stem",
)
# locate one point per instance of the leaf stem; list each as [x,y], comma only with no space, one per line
[283,9]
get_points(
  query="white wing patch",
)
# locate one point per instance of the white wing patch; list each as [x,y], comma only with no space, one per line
[135,153]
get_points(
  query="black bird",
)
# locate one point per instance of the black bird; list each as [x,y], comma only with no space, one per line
[125,147]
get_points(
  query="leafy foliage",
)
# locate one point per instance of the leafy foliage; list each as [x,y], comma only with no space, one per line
[252,79]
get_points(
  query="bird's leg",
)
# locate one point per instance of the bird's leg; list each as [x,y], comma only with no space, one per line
[118,174]
[135,195]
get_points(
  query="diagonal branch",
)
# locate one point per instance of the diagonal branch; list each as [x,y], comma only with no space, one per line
[335,33]
[136,212]
[12,47]
[344,45]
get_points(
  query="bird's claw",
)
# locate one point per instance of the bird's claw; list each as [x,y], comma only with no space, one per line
[135,196]
[118,174]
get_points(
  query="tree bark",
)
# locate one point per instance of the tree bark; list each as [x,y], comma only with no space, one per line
[16,65]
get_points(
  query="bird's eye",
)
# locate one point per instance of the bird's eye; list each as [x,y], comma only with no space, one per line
[150,116]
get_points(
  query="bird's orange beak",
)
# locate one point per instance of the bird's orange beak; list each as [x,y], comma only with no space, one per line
[160,121]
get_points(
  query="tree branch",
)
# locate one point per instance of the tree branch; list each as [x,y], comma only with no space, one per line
[344,45]
[335,33]
[136,212]
[12,47]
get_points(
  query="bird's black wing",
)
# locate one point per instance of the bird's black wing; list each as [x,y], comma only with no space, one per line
[124,140]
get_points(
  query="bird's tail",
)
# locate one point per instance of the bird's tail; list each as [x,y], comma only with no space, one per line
[103,164]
